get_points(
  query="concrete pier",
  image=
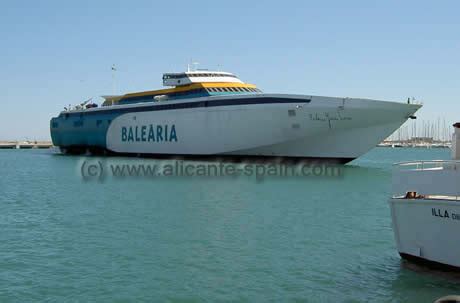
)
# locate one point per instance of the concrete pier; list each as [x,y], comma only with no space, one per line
[25,144]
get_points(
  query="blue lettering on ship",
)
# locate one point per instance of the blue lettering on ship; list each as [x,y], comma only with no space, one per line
[149,133]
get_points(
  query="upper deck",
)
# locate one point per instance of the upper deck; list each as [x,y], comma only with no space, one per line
[190,84]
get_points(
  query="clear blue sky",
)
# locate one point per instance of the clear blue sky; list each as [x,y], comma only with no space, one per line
[58,52]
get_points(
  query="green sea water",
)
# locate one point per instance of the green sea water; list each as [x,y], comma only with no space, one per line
[195,239]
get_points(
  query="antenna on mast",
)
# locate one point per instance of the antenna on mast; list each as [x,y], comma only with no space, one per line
[192,65]
[113,79]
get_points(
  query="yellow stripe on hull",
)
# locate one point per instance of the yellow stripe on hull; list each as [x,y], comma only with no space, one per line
[189,87]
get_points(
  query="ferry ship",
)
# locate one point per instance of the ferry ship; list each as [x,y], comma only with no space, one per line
[213,113]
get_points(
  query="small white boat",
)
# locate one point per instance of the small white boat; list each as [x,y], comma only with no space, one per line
[425,209]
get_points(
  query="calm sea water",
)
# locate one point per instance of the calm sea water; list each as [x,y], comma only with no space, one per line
[204,239]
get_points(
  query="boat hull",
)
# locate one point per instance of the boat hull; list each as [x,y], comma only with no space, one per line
[426,231]
[263,125]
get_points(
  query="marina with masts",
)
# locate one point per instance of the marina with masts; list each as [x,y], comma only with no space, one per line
[421,134]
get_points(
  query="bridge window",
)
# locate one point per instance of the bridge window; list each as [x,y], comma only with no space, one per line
[198,75]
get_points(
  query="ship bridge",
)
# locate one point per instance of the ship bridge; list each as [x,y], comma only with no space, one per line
[198,76]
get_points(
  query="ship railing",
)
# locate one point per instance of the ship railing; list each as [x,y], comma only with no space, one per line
[432,178]
[427,165]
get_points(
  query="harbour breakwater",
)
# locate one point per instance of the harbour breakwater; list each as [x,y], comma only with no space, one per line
[25,144]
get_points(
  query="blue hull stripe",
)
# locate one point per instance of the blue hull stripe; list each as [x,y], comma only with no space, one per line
[195,104]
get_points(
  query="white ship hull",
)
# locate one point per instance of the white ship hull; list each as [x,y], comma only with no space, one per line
[427,230]
[325,127]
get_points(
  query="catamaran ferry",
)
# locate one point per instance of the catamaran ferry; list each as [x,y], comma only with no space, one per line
[212,113]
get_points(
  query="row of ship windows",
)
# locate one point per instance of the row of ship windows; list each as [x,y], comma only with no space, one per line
[179,76]
[211,75]
[79,123]
[208,90]
[233,89]
[216,90]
